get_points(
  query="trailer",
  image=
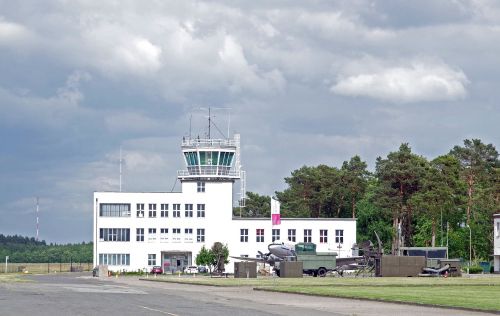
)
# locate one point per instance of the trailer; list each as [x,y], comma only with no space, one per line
[314,263]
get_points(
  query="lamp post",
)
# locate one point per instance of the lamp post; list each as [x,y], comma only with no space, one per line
[447,229]
[470,249]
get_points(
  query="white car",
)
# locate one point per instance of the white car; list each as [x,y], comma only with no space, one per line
[191,269]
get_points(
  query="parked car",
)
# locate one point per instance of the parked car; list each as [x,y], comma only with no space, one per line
[156,270]
[202,269]
[191,269]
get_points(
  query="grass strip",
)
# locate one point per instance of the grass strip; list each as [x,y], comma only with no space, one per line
[476,297]
[331,282]
[11,278]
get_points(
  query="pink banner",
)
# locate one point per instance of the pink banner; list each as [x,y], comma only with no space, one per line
[276,219]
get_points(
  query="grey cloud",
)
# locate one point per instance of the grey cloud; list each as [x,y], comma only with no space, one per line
[81,80]
[416,82]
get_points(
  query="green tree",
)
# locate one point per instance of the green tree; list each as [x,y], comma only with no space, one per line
[302,197]
[399,177]
[320,191]
[479,169]
[479,163]
[219,255]
[437,198]
[371,218]
[204,258]
[356,178]
[255,206]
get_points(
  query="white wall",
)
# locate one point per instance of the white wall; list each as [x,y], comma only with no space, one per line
[218,223]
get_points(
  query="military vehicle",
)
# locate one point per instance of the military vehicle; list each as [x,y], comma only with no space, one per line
[314,263]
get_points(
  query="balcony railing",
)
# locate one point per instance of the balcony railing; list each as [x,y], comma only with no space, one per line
[195,172]
[205,142]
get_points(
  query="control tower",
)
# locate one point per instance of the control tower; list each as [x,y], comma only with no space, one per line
[211,159]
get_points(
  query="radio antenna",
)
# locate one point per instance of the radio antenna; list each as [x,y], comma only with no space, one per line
[37,223]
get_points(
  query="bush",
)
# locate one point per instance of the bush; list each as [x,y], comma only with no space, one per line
[475,270]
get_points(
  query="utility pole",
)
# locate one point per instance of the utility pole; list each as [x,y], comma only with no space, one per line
[37,223]
[470,249]
[441,226]
[447,229]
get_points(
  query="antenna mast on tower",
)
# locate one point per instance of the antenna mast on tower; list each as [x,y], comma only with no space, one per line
[209,123]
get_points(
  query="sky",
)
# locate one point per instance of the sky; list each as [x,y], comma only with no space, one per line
[304,83]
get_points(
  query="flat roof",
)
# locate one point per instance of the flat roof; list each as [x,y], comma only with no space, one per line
[237,218]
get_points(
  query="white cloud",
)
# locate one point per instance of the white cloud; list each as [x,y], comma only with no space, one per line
[242,74]
[11,31]
[14,35]
[140,55]
[419,81]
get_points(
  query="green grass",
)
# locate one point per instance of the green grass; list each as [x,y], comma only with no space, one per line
[481,293]
[10,277]
[330,281]
[474,297]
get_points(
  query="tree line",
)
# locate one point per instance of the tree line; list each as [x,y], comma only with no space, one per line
[408,200]
[28,250]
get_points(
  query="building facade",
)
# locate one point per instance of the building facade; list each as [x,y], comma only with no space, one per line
[496,243]
[135,231]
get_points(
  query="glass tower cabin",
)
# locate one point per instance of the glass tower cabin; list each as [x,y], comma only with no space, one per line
[211,159]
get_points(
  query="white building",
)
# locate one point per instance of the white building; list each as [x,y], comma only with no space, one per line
[496,243]
[134,230]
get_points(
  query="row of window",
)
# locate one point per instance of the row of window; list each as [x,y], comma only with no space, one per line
[213,158]
[176,212]
[122,259]
[292,235]
[176,235]
[114,259]
[114,234]
[123,210]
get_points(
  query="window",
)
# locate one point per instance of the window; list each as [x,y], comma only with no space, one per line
[323,236]
[114,210]
[275,234]
[164,210]
[140,234]
[200,235]
[244,235]
[188,210]
[307,235]
[291,235]
[200,186]
[188,234]
[163,234]
[114,234]
[152,234]
[152,259]
[115,259]
[498,228]
[177,210]
[176,235]
[339,236]
[200,210]
[140,210]
[260,235]
[152,210]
